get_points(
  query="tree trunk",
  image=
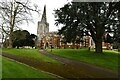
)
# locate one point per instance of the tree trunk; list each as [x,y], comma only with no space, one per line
[10,41]
[98,46]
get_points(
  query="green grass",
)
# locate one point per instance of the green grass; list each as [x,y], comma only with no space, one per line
[30,53]
[107,60]
[12,69]
[0,67]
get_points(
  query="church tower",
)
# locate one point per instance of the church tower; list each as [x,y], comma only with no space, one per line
[43,28]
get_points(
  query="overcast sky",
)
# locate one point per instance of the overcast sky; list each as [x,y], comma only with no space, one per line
[50,6]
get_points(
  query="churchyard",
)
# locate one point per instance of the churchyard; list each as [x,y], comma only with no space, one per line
[83,48]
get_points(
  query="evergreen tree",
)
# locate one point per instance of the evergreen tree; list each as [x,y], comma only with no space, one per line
[94,17]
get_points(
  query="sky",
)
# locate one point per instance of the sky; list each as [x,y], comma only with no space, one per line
[50,6]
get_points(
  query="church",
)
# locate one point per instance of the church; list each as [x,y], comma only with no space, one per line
[46,39]
[42,30]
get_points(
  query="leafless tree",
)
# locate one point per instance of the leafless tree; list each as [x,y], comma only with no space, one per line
[14,13]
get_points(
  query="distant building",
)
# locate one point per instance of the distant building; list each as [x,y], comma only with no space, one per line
[42,29]
[47,39]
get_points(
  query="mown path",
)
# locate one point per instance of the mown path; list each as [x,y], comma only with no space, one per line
[69,70]
[92,69]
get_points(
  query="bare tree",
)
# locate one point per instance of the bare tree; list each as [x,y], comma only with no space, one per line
[14,13]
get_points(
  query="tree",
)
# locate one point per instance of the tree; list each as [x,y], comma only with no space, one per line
[71,34]
[108,38]
[116,37]
[14,13]
[22,38]
[95,18]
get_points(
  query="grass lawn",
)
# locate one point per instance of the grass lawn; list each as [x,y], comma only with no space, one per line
[0,67]
[30,53]
[12,69]
[107,60]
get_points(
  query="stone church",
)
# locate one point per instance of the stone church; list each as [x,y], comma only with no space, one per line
[45,38]
[42,29]
[48,39]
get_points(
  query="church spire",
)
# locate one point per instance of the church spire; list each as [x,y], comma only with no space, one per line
[44,19]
